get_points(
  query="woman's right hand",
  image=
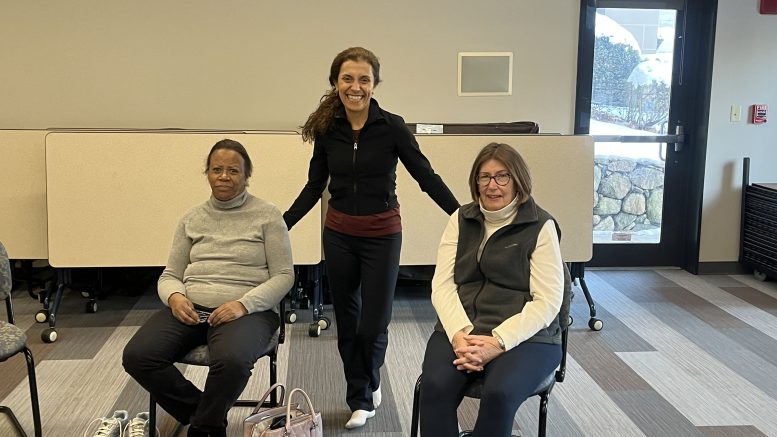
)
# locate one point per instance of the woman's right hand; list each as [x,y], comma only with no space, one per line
[183,309]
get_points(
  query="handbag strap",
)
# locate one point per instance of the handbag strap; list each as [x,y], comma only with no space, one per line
[311,411]
[277,385]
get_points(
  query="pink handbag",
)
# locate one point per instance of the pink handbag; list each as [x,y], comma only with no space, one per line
[285,420]
[264,418]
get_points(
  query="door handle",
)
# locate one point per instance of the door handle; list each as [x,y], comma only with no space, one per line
[679,132]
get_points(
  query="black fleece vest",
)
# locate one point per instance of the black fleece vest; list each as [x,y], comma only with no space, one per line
[497,287]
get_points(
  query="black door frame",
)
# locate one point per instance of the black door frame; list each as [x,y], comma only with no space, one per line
[695,91]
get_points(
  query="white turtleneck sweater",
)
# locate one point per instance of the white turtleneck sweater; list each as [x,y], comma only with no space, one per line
[230,250]
[546,281]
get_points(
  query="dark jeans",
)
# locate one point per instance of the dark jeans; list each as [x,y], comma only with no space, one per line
[508,381]
[234,348]
[362,274]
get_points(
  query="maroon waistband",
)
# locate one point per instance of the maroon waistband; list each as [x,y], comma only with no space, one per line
[372,225]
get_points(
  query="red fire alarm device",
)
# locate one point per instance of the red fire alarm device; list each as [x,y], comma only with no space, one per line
[769,6]
[759,114]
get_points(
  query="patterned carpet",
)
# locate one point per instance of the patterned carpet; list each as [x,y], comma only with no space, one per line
[679,355]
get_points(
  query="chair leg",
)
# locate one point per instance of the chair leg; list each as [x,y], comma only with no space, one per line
[273,378]
[543,414]
[273,356]
[33,399]
[151,414]
[416,408]
[239,403]
[33,391]
[14,421]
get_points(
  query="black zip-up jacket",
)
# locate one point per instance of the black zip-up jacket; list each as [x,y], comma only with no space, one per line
[363,175]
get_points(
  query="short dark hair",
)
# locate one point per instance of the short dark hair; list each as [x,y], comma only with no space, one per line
[511,159]
[234,146]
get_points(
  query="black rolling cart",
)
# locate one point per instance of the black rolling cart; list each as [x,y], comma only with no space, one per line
[577,272]
[758,238]
[309,284]
[51,297]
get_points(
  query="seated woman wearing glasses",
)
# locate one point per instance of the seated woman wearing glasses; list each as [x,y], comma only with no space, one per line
[497,290]
[231,262]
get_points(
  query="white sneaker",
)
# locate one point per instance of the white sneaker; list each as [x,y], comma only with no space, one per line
[137,427]
[359,418]
[110,426]
[376,398]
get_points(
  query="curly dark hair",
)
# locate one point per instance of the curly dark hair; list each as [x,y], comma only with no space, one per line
[321,119]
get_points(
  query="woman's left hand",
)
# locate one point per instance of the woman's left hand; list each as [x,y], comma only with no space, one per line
[227,312]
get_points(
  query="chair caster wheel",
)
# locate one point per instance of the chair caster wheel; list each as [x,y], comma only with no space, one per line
[42,316]
[91,307]
[570,321]
[759,275]
[595,324]
[85,294]
[314,330]
[49,335]
[324,323]
[291,317]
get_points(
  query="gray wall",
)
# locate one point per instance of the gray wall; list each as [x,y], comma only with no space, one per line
[743,74]
[264,65]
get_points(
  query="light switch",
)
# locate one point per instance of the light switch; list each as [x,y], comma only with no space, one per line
[736,113]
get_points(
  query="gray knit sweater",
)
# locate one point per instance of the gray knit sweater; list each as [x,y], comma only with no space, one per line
[234,250]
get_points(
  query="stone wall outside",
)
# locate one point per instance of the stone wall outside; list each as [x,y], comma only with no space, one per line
[628,194]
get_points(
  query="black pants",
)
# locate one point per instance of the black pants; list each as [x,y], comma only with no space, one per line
[508,381]
[362,276]
[234,348]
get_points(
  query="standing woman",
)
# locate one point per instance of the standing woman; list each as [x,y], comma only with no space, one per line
[356,147]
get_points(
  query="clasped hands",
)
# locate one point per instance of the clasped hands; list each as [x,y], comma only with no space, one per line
[473,352]
[183,310]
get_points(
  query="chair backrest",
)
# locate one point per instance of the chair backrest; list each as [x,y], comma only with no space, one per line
[563,321]
[5,273]
[282,326]
[566,300]
[6,283]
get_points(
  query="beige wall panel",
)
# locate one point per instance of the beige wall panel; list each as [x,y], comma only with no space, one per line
[562,175]
[115,198]
[23,194]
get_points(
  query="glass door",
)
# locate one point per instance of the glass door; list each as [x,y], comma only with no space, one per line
[631,92]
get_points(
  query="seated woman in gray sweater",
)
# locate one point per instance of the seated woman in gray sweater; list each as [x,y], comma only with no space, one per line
[231,258]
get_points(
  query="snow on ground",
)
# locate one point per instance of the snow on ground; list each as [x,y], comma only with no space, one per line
[653,151]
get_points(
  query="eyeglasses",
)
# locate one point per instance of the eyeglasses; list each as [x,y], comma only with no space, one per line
[501,179]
